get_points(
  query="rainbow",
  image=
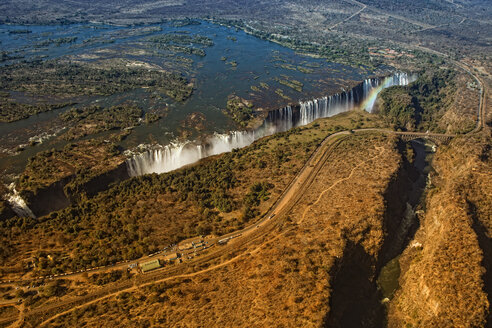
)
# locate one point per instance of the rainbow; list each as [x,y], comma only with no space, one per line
[396,79]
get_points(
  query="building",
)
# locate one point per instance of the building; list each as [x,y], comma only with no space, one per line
[224,241]
[171,257]
[186,246]
[151,265]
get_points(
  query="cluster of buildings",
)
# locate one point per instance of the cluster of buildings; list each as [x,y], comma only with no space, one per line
[159,263]
[197,246]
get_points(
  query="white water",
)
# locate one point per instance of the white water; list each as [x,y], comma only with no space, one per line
[372,90]
[18,204]
[173,156]
[176,155]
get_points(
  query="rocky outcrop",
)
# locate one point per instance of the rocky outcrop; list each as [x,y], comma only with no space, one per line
[398,223]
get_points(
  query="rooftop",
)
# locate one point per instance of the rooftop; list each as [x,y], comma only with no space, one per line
[151,265]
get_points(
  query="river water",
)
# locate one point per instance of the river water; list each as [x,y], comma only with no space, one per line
[390,272]
[260,66]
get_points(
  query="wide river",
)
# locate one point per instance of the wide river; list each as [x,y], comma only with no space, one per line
[236,63]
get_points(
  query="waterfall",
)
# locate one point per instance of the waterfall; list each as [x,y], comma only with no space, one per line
[372,87]
[167,158]
[18,204]
[171,157]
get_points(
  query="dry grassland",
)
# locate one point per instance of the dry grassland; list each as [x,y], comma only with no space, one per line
[446,269]
[286,279]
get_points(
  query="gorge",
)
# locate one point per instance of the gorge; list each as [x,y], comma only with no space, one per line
[161,159]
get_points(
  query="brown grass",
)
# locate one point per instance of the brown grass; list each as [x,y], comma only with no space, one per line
[156,213]
[285,279]
[461,114]
[442,284]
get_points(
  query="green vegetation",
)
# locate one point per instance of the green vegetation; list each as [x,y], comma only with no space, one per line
[338,49]
[65,79]
[101,279]
[295,255]
[310,64]
[398,107]
[25,31]
[146,30]
[239,110]
[152,117]
[122,226]
[79,161]
[54,288]
[138,216]
[305,70]
[290,82]
[14,111]
[179,42]
[5,213]
[95,119]
[288,66]
[6,311]
[446,270]
[421,104]
[181,49]
[280,92]
[258,192]
[184,22]
[97,40]
[5,56]
[58,42]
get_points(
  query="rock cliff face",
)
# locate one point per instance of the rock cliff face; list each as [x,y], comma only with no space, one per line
[99,182]
[64,192]
[446,268]
[6,211]
[48,199]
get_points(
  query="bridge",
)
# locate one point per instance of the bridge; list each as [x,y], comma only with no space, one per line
[437,138]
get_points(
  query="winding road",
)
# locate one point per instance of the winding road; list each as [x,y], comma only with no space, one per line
[251,235]
[236,249]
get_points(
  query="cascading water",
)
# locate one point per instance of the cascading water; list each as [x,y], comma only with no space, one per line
[18,204]
[176,155]
[375,86]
